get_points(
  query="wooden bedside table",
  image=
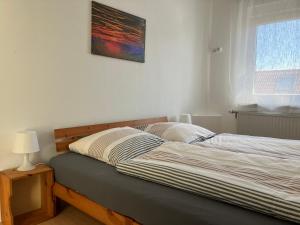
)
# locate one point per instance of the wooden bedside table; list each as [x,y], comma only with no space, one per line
[7,178]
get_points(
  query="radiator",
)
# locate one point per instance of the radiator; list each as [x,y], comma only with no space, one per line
[269,125]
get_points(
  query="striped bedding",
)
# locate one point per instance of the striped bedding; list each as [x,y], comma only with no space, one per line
[266,184]
[116,144]
[266,146]
[179,132]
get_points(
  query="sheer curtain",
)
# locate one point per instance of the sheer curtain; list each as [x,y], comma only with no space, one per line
[265,55]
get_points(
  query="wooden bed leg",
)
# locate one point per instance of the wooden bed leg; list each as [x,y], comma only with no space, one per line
[90,207]
[56,206]
[59,205]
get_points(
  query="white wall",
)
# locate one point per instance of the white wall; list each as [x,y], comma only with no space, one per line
[219,78]
[49,79]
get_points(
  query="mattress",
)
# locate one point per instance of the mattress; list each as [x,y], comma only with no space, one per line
[148,203]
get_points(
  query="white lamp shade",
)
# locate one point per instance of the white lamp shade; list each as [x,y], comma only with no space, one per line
[26,142]
[185,118]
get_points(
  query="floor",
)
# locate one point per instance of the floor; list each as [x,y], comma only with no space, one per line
[71,216]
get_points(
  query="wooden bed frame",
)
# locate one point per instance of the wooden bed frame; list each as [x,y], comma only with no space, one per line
[65,136]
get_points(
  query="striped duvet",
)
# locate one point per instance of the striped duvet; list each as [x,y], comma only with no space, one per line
[266,184]
[273,147]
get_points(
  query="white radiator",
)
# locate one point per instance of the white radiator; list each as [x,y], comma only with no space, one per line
[269,125]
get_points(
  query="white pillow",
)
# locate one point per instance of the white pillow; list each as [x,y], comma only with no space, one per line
[180,132]
[117,144]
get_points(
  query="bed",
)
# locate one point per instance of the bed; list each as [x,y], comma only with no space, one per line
[114,198]
[266,146]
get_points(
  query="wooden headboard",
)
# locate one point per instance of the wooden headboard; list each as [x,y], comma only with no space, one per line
[65,136]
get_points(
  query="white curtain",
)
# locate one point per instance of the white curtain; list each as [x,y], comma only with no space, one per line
[265,55]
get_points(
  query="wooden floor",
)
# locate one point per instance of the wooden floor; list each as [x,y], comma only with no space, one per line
[71,216]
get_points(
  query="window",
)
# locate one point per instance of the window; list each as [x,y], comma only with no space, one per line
[277,59]
[265,55]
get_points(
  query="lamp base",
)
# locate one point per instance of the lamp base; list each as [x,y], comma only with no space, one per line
[26,165]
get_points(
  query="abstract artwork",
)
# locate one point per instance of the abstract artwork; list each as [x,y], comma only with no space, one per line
[117,34]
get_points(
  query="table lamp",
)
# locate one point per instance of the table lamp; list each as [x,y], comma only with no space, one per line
[26,142]
[185,118]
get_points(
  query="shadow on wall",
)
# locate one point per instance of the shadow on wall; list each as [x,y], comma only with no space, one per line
[218,123]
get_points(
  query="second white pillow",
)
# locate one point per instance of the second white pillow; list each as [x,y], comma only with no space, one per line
[180,132]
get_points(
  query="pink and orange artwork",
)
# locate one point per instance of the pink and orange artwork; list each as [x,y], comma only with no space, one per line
[117,34]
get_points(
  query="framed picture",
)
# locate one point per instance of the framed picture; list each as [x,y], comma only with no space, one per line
[117,34]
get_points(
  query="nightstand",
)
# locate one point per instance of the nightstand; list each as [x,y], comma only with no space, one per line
[7,179]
